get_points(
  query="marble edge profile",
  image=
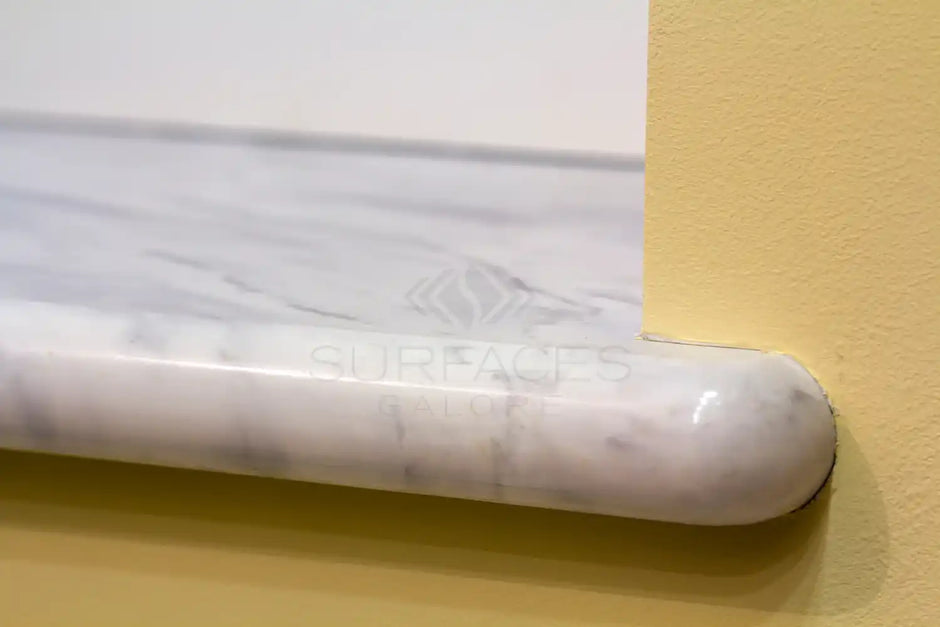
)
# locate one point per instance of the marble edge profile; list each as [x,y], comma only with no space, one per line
[673,432]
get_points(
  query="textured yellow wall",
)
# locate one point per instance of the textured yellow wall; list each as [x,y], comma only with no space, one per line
[793,204]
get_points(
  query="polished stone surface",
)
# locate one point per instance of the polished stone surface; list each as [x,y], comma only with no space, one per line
[232,231]
[460,327]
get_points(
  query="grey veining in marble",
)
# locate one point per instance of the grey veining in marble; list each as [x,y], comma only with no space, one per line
[441,326]
[242,232]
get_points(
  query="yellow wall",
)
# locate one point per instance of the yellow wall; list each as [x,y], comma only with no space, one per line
[793,204]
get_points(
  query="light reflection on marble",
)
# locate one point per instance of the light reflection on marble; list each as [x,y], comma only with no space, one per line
[236,232]
[204,305]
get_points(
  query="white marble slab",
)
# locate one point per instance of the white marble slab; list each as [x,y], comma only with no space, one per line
[435,325]
[230,231]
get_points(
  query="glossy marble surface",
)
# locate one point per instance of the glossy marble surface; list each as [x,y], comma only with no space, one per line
[232,231]
[442,326]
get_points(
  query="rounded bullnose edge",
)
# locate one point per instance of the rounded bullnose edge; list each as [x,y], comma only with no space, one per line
[769,446]
[796,410]
[830,418]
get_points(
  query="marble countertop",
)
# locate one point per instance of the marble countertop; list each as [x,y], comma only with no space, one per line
[390,319]
[235,231]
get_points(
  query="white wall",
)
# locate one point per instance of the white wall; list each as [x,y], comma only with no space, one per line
[566,74]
